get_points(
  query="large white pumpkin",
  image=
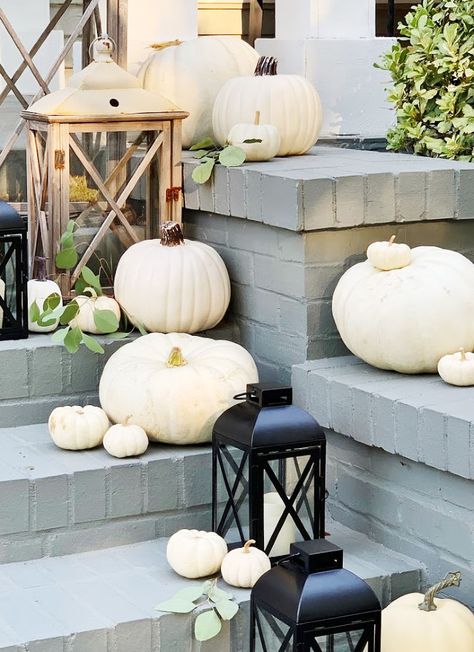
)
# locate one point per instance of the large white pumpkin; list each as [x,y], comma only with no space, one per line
[407,319]
[172,284]
[174,386]
[288,102]
[191,73]
[195,553]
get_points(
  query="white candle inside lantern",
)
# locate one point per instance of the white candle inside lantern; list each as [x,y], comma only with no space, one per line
[273,508]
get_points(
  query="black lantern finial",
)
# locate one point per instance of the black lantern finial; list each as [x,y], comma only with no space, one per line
[268,472]
[13,274]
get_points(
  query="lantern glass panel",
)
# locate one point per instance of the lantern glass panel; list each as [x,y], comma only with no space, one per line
[271,634]
[13,317]
[349,641]
[232,499]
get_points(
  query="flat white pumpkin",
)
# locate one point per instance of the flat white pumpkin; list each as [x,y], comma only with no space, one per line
[242,567]
[125,440]
[457,368]
[407,319]
[172,284]
[77,428]
[389,255]
[194,553]
[174,386]
[268,136]
[88,306]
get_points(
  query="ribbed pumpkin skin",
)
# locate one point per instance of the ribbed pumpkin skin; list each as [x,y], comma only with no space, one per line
[194,553]
[191,75]
[181,289]
[288,102]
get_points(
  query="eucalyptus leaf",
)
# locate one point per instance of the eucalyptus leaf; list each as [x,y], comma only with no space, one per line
[227,609]
[92,344]
[48,318]
[201,153]
[205,143]
[203,171]
[52,301]
[70,226]
[176,605]
[118,335]
[232,156]
[69,313]
[90,278]
[73,340]
[34,312]
[216,594]
[106,321]
[66,240]
[207,625]
[192,593]
[58,336]
[66,258]
[141,329]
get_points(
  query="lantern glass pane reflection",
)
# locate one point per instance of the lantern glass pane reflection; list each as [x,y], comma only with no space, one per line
[13,268]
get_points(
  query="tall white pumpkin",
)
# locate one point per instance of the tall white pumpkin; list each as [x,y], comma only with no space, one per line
[288,102]
[191,73]
[172,284]
[174,386]
[407,318]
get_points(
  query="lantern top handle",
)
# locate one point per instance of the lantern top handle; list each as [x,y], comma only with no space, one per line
[102,48]
[267,395]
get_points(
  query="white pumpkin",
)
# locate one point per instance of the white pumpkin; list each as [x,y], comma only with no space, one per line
[125,440]
[288,102]
[407,319]
[194,553]
[417,623]
[172,284]
[389,255]
[77,428]
[191,73]
[38,290]
[174,386]
[457,369]
[87,307]
[244,566]
[268,136]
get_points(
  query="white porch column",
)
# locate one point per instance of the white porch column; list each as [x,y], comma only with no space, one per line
[333,43]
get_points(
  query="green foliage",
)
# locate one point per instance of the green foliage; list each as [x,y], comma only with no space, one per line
[210,154]
[213,604]
[433,75]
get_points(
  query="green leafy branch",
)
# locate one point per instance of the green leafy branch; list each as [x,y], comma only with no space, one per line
[214,605]
[210,154]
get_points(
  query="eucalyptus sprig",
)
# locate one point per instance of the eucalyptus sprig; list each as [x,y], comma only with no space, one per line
[214,606]
[210,154]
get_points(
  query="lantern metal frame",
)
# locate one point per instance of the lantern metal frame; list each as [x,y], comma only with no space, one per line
[14,249]
[267,428]
[313,597]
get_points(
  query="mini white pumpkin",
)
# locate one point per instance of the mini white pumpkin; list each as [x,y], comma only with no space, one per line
[87,307]
[422,623]
[457,368]
[407,319]
[389,255]
[268,136]
[78,428]
[172,284]
[194,553]
[288,102]
[244,566]
[125,440]
[39,289]
[174,386]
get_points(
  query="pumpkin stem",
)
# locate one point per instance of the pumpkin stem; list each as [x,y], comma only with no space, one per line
[257,118]
[392,239]
[92,292]
[463,353]
[41,268]
[165,44]
[247,545]
[176,358]
[171,234]
[266,66]
[451,579]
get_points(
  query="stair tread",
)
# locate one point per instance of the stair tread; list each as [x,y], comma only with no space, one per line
[59,596]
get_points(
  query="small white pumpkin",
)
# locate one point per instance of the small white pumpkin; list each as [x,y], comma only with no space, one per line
[389,255]
[77,428]
[194,553]
[268,136]
[422,623]
[39,289]
[87,307]
[457,368]
[244,566]
[125,441]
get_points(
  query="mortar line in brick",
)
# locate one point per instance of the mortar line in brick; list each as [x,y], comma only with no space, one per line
[144,486]
[108,501]
[181,483]
[31,506]
[112,644]
[70,488]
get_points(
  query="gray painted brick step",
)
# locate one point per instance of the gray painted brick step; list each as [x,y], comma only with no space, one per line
[104,601]
[54,502]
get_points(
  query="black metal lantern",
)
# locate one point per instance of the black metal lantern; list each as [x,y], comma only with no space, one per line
[13,274]
[268,484]
[310,603]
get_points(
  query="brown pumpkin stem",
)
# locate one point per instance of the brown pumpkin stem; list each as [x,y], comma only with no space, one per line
[257,118]
[392,239]
[176,358]
[247,544]
[451,579]
[171,234]
[463,354]
[41,268]
[165,44]
[266,66]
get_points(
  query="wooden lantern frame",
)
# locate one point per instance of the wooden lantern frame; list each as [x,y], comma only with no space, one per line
[52,138]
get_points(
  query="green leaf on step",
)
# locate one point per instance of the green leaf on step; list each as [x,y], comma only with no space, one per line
[73,340]
[227,609]
[48,318]
[91,279]
[59,336]
[251,141]
[118,335]
[205,143]
[202,172]
[34,312]
[232,156]
[92,344]
[66,258]
[52,301]
[207,625]
[69,313]
[215,594]
[106,321]
[176,605]
[192,593]
[201,153]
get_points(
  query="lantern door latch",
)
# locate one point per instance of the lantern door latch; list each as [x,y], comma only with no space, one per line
[173,194]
